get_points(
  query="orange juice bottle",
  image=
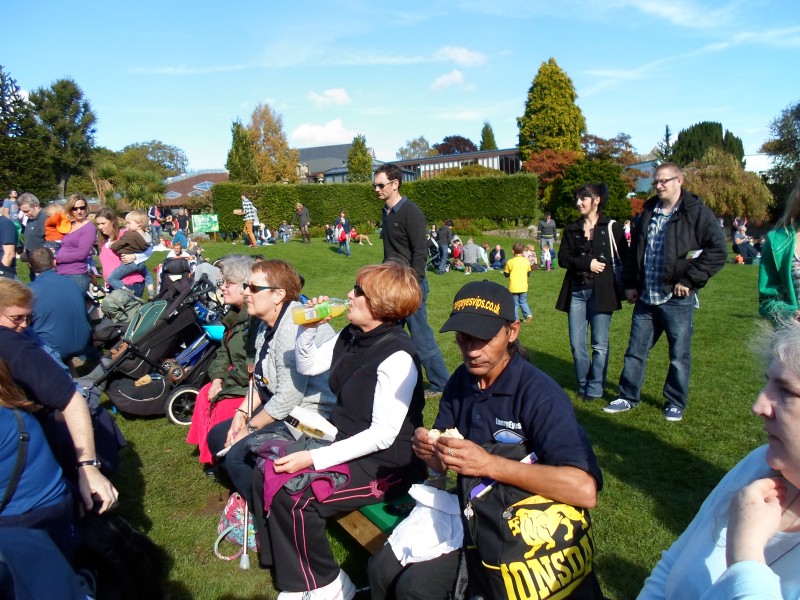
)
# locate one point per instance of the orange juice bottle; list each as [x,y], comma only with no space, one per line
[309,314]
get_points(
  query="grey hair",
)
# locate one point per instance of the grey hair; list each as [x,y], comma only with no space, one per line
[236,268]
[28,198]
[783,345]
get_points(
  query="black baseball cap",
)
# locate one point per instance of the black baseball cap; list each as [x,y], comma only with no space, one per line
[480,309]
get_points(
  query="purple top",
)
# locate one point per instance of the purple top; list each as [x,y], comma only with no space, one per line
[76,248]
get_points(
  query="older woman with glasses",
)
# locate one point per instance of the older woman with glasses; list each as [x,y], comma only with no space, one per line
[76,246]
[745,540]
[273,290]
[376,375]
[218,400]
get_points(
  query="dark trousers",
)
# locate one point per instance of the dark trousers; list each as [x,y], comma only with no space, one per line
[429,580]
[238,464]
[293,540]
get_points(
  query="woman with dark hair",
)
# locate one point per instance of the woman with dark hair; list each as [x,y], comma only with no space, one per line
[589,294]
[376,376]
[779,273]
[76,246]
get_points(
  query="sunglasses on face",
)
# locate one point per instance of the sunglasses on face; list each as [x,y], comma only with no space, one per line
[380,186]
[254,289]
[359,291]
[74,208]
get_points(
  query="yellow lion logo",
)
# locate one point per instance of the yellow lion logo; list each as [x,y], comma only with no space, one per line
[538,527]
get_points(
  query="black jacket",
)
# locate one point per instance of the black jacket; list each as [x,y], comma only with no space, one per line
[692,228]
[571,258]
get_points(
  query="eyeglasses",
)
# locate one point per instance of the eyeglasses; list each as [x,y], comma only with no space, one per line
[359,291]
[664,181]
[225,284]
[74,208]
[18,320]
[380,186]
[254,289]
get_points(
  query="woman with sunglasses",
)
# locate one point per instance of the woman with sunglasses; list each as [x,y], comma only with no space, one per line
[273,290]
[76,247]
[218,400]
[376,376]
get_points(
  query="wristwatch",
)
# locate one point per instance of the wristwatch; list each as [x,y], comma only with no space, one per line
[89,463]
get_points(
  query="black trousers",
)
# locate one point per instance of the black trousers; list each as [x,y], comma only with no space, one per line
[292,537]
[429,580]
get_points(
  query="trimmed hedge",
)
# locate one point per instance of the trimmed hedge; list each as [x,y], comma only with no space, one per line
[496,198]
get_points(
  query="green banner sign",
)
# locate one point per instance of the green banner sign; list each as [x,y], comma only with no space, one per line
[205,223]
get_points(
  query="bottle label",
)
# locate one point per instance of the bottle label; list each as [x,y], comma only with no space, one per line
[323,310]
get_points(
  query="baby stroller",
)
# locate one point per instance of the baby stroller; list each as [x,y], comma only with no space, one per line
[432,261]
[162,360]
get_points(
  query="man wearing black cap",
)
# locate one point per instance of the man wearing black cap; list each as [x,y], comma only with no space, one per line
[524,465]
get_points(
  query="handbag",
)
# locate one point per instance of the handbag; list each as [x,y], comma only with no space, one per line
[231,528]
[616,260]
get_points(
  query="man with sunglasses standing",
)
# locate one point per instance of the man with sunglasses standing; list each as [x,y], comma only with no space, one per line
[678,247]
[403,232]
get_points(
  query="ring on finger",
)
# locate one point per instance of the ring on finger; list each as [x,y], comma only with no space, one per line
[450,452]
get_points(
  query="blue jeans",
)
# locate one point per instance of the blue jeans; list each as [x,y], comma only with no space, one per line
[444,254]
[82,280]
[155,232]
[583,312]
[114,279]
[344,247]
[429,354]
[675,318]
[521,302]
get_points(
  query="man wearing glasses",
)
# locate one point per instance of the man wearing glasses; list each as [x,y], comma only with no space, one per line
[678,246]
[403,232]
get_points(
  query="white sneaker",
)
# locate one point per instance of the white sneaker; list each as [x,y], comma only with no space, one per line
[341,588]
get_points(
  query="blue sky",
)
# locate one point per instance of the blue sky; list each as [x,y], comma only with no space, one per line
[182,72]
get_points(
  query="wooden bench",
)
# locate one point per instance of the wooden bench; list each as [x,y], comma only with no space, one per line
[371,525]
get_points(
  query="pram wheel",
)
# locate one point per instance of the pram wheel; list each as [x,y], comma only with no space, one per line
[180,405]
[176,373]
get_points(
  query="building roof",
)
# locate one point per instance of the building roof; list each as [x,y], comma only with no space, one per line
[196,183]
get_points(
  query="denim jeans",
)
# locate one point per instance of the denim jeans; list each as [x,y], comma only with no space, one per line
[521,302]
[114,279]
[591,376]
[425,343]
[444,254]
[155,233]
[675,318]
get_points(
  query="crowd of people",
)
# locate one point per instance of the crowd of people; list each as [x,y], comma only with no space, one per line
[527,476]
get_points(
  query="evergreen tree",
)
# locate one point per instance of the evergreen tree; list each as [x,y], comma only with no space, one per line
[68,125]
[23,162]
[275,160]
[693,143]
[552,119]
[664,148]
[487,137]
[359,161]
[455,144]
[241,163]
[591,171]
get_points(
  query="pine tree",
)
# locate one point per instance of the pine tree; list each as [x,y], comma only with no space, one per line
[487,137]
[552,119]
[359,161]
[275,160]
[24,165]
[241,163]
[664,147]
[68,124]
[693,143]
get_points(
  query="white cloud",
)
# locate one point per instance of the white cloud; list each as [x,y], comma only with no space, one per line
[461,56]
[331,97]
[452,78]
[332,132]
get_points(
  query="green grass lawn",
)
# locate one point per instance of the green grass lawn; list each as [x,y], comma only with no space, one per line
[656,473]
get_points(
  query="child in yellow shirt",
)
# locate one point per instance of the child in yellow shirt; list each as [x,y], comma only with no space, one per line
[518,269]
